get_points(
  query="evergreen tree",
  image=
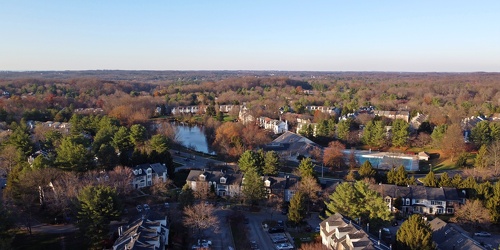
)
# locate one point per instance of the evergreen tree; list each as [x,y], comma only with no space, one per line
[297,209]
[73,154]
[186,197]
[251,159]
[271,163]
[306,167]
[159,143]
[351,176]
[438,135]
[103,137]
[20,138]
[484,191]
[415,234]
[456,181]
[357,201]
[366,170]
[137,134]
[374,134]
[253,187]
[494,131]
[481,133]
[398,176]
[219,116]
[481,157]
[400,133]
[98,205]
[445,181]
[430,180]
[121,140]
[322,129]
[343,129]
[493,203]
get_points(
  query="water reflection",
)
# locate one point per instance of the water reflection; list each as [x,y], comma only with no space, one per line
[193,137]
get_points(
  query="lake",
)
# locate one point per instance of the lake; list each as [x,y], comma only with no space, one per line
[193,137]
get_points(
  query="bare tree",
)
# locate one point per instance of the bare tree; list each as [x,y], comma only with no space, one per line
[160,187]
[200,217]
[472,213]
[120,178]
[494,155]
[312,246]
[8,158]
[333,155]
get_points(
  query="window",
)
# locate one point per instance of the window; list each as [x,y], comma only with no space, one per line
[223,180]
[407,201]
[388,200]
[449,210]
[440,211]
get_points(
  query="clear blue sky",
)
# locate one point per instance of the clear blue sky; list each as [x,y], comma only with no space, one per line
[250,35]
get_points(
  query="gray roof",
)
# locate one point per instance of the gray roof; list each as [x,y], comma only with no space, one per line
[418,192]
[447,236]
[138,233]
[157,168]
[214,176]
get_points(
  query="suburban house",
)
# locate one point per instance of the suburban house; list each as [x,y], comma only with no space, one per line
[403,115]
[418,120]
[187,110]
[143,234]
[277,126]
[290,145]
[244,116]
[282,187]
[420,199]
[447,236]
[224,184]
[338,233]
[301,123]
[145,175]
[323,109]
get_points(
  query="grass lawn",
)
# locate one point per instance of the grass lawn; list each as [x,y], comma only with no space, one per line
[49,241]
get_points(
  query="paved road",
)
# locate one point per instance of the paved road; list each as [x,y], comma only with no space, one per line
[191,161]
[54,229]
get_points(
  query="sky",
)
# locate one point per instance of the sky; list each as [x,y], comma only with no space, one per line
[330,35]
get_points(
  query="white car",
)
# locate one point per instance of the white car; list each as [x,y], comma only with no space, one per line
[482,234]
[284,246]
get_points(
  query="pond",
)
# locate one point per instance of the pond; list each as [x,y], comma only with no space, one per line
[193,137]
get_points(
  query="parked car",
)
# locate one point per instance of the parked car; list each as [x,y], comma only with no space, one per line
[482,234]
[279,239]
[274,230]
[146,207]
[139,208]
[284,246]
[253,245]
[317,229]
[205,243]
